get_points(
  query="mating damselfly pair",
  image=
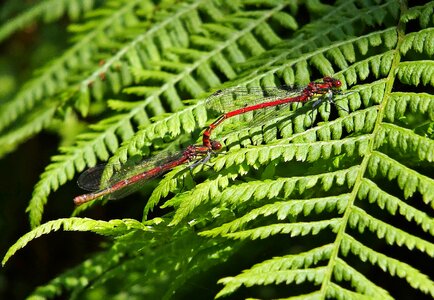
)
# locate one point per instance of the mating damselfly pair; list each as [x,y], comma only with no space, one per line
[129,179]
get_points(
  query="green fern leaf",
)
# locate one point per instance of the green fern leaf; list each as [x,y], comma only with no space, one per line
[111,228]
[363,285]
[396,268]
[48,11]
[282,210]
[231,284]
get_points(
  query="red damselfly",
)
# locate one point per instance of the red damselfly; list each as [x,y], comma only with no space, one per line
[130,178]
[328,86]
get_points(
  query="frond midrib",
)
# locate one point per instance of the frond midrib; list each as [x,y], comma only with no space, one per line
[341,233]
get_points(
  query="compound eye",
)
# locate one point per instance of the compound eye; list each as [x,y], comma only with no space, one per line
[216,145]
[337,83]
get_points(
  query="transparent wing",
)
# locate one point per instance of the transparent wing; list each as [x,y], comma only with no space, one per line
[92,179]
[231,99]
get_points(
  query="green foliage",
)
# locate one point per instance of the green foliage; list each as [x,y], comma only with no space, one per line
[48,11]
[353,179]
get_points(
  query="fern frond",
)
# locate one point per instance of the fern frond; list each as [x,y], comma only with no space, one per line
[111,228]
[338,292]
[363,285]
[315,275]
[256,191]
[422,13]
[419,41]
[282,210]
[406,140]
[409,181]
[401,104]
[389,233]
[292,262]
[373,193]
[300,228]
[416,72]
[413,276]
